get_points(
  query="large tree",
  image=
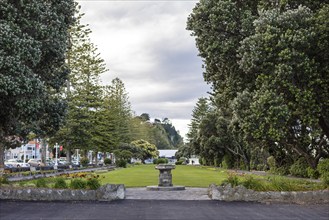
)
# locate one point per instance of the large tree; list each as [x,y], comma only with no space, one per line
[292,80]
[83,126]
[268,67]
[33,41]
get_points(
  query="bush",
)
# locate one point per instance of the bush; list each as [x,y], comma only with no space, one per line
[162,160]
[271,163]
[282,171]
[299,168]
[78,184]
[41,183]
[121,163]
[232,179]
[312,173]
[155,161]
[261,167]
[107,161]
[252,183]
[179,162]
[227,162]
[323,168]
[84,161]
[4,180]
[93,183]
[60,183]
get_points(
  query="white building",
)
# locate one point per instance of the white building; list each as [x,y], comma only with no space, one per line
[169,154]
[27,151]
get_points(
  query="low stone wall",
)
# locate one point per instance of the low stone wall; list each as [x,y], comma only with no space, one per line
[107,192]
[240,193]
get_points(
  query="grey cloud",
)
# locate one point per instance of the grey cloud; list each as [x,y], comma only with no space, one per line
[145,44]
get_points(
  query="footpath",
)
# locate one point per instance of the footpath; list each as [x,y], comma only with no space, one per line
[188,194]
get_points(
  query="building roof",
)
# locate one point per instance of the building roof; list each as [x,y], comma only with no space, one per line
[167,153]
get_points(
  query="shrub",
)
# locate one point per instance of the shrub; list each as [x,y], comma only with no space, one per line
[282,171]
[41,183]
[60,183]
[323,168]
[227,162]
[4,180]
[78,184]
[93,183]
[121,163]
[162,160]
[271,163]
[261,167]
[232,179]
[107,161]
[299,168]
[155,161]
[312,173]
[183,159]
[251,183]
[179,162]
[84,161]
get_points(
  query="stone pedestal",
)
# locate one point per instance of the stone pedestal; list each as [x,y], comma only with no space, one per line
[165,176]
[165,179]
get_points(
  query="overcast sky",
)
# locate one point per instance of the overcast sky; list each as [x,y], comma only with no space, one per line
[146,45]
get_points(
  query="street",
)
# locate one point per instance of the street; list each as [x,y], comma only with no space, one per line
[159,209]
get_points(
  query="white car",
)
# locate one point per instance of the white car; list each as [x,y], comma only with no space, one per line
[16,163]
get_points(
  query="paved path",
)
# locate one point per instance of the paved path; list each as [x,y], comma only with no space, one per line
[159,210]
[187,194]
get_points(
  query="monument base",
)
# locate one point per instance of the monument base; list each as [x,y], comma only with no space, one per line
[165,188]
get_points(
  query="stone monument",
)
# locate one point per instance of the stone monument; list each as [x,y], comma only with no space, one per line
[165,179]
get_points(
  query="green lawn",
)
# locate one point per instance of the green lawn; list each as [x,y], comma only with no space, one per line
[147,175]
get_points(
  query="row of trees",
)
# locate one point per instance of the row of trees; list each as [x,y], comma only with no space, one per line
[50,87]
[267,63]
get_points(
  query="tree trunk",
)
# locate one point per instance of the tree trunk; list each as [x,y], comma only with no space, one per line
[43,150]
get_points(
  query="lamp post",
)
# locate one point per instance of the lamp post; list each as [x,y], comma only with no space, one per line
[56,163]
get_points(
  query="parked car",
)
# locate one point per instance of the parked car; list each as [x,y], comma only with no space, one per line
[50,163]
[9,166]
[16,163]
[75,162]
[35,163]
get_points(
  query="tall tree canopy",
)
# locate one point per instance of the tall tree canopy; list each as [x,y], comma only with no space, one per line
[268,67]
[33,43]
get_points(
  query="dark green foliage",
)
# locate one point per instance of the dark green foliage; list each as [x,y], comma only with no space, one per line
[60,183]
[299,168]
[227,162]
[179,162]
[312,173]
[161,160]
[3,180]
[93,183]
[107,161]
[268,67]
[232,179]
[33,40]
[84,161]
[251,183]
[78,184]
[41,183]
[323,168]
[121,163]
